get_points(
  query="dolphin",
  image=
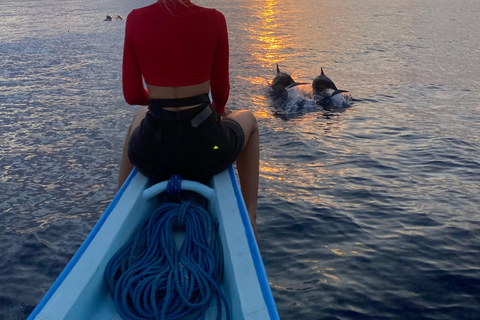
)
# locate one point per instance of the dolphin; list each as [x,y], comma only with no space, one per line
[283,81]
[322,83]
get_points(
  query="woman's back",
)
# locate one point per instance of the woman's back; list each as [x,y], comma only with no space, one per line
[176,46]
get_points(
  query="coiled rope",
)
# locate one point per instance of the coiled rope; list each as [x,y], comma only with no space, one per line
[149,278]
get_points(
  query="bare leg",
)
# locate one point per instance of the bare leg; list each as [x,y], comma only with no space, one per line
[125,166]
[248,162]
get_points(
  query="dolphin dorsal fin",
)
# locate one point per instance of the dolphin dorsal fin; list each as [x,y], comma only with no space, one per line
[322,71]
[278,70]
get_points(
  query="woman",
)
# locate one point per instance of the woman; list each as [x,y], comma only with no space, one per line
[181,52]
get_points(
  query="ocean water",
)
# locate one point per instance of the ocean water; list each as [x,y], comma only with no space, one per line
[368,212]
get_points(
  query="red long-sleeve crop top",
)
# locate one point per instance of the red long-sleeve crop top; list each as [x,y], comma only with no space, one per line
[178,46]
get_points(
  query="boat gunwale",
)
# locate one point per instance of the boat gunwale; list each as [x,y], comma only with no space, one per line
[254,250]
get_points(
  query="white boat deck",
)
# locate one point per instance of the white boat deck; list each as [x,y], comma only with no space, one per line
[81,293]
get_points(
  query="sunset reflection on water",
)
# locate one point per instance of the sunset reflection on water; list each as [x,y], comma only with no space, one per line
[266,47]
[269,43]
[269,40]
[274,41]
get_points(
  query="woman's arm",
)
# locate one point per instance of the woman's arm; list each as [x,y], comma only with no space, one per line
[219,82]
[133,89]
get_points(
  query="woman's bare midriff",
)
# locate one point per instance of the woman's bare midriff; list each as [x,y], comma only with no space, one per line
[156,92]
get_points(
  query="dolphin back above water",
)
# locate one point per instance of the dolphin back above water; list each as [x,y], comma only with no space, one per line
[283,81]
[325,94]
[322,83]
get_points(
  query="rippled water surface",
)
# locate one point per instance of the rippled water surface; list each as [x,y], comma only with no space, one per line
[366,212]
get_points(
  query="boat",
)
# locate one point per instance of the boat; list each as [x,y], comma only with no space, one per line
[80,292]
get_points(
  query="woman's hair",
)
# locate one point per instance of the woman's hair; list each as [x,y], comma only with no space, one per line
[166,3]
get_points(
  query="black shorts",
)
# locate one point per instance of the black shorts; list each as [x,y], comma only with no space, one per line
[194,143]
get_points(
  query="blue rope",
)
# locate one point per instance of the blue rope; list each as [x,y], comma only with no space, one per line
[150,279]
[174,186]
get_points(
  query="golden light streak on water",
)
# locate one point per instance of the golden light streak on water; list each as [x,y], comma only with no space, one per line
[268,169]
[270,177]
[259,102]
[270,173]
[254,80]
[269,43]
[262,110]
[263,114]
